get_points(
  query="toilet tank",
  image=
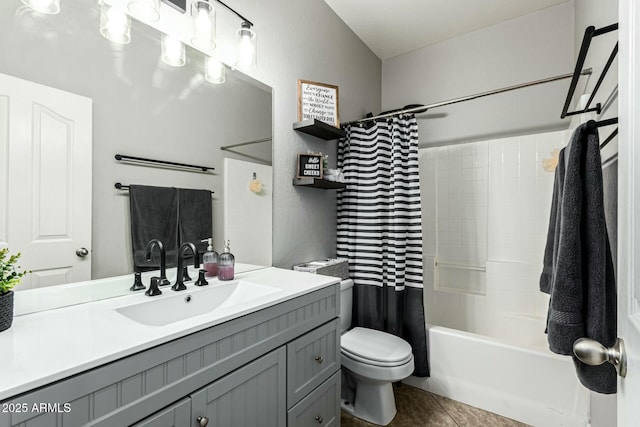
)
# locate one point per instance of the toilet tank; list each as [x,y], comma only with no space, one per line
[346,304]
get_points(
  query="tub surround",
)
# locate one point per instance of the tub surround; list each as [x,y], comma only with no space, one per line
[52,345]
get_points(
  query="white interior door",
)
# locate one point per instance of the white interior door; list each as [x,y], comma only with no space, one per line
[45,181]
[629,211]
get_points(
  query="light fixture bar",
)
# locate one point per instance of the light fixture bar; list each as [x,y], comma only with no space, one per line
[236,13]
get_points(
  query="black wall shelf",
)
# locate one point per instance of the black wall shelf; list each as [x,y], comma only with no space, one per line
[318,183]
[319,129]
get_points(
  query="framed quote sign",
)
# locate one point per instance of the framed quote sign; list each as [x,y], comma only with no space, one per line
[318,101]
[309,166]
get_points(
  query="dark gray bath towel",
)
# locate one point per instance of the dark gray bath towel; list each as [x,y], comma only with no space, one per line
[554,224]
[196,217]
[154,215]
[578,270]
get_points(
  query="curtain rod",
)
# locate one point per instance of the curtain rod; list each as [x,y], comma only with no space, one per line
[423,108]
[226,147]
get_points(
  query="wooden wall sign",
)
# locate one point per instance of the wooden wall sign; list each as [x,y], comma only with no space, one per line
[318,101]
[309,166]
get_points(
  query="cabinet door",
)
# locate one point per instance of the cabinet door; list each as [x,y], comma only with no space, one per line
[176,415]
[252,396]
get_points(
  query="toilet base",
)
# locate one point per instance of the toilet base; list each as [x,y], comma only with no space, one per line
[374,403]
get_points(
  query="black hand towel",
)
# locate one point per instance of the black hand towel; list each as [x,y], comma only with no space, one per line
[154,215]
[196,217]
[581,282]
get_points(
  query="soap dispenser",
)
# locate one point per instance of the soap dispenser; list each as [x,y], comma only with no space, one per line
[226,263]
[210,259]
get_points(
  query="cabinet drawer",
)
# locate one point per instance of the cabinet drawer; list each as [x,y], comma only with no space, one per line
[311,359]
[320,408]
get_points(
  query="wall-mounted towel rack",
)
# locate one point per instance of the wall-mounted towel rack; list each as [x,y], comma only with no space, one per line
[132,159]
[125,187]
[589,34]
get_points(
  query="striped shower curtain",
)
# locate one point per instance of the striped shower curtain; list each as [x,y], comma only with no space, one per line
[380,231]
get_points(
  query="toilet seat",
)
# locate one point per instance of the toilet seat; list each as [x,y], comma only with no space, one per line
[375,347]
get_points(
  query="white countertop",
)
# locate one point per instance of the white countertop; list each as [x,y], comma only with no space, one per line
[51,345]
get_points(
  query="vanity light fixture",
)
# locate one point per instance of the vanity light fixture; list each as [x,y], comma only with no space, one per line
[214,71]
[246,48]
[172,51]
[115,25]
[50,7]
[145,10]
[204,25]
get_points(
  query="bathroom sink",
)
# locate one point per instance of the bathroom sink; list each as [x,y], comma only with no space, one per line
[165,309]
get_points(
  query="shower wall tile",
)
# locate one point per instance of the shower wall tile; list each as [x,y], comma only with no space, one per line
[427,165]
[461,226]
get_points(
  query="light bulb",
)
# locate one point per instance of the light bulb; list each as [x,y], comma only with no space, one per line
[202,22]
[204,25]
[50,7]
[246,59]
[214,71]
[173,51]
[115,25]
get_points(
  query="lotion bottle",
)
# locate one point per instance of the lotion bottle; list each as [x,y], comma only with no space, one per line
[226,263]
[210,259]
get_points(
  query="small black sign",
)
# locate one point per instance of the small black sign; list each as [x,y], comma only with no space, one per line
[310,166]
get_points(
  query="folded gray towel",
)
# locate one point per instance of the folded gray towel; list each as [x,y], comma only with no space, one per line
[581,281]
[154,215]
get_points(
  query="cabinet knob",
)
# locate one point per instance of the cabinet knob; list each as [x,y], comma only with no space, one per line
[319,359]
[202,421]
[319,419]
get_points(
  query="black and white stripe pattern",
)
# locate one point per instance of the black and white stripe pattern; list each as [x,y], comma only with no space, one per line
[379,213]
[380,232]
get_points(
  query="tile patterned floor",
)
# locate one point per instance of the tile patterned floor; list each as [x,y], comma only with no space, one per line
[417,408]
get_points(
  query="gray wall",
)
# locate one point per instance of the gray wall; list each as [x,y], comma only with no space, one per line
[304,39]
[527,48]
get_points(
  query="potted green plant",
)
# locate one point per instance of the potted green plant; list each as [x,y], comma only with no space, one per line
[9,278]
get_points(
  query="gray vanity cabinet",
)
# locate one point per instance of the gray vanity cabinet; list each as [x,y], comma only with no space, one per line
[274,367]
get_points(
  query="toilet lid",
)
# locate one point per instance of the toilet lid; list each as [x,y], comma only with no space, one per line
[376,347]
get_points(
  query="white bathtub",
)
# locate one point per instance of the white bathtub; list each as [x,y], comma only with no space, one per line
[532,386]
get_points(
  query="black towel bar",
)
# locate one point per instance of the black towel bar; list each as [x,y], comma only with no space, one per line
[121,157]
[125,187]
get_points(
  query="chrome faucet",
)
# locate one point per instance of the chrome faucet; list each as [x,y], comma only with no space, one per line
[155,243]
[179,285]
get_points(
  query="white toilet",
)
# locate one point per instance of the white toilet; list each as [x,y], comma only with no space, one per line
[376,360]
